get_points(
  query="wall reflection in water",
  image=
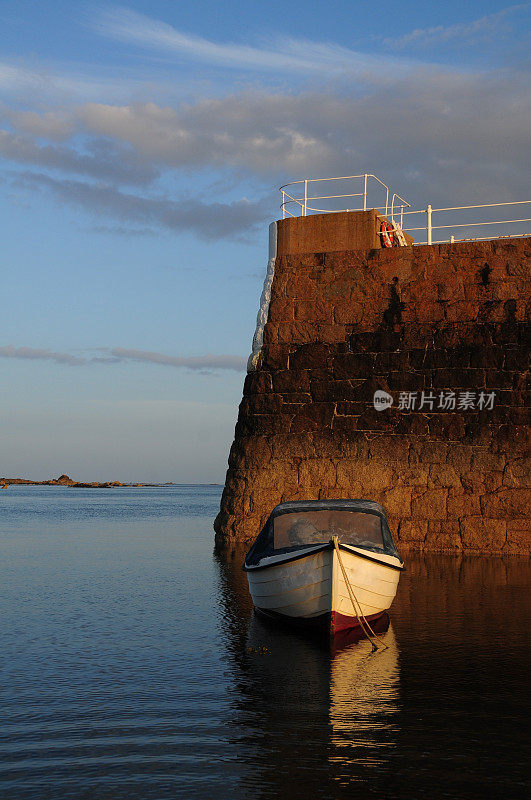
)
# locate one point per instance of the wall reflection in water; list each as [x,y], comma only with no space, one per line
[432,715]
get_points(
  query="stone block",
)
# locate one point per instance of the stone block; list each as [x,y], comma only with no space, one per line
[345,425]
[374,477]
[461,311]
[443,475]
[460,504]
[285,446]
[256,450]
[298,332]
[460,457]
[411,424]
[517,473]
[330,332]
[258,382]
[349,312]
[262,404]
[430,504]
[310,356]
[391,449]
[280,310]
[297,398]
[434,452]
[314,311]
[415,475]
[303,288]
[397,501]
[519,535]
[372,420]
[490,357]
[348,366]
[267,424]
[275,357]
[507,503]
[412,531]
[443,536]
[317,474]
[478,533]
[450,290]
[271,333]
[291,380]
[484,461]
[348,408]
[472,483]
[316,416]
[322,386]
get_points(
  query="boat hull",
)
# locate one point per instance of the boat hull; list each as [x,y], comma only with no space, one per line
[310,589]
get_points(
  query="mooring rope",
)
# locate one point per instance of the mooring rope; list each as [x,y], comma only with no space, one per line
[364,623]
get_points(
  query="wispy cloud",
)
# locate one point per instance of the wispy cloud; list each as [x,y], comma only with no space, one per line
[40,354]
[487,26]
[206,362]
[209,221]
[63,82]
[120,355]
[284,53]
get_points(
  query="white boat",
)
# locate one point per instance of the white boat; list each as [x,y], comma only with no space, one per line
[328,563]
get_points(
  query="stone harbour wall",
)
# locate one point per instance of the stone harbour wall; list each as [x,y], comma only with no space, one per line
[410,320]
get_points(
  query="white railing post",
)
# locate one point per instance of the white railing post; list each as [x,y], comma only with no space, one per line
[428,225]
[365,192]
[283,206]
[305,197]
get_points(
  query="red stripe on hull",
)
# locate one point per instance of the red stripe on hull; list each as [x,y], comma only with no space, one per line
[332,622]
[341,622]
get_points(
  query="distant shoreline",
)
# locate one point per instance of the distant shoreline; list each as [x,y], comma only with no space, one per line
[65,480]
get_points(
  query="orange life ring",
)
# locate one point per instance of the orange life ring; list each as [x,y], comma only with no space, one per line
[387,233]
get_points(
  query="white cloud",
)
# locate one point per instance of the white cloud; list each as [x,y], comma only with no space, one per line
[283,54]
[455,131]
[51,125]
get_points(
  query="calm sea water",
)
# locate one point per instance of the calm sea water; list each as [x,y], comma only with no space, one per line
[133,667]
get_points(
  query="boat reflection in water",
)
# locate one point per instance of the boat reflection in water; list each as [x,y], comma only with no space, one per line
[308,705]
[364,697]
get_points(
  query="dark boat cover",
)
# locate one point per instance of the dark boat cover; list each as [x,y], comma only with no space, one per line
[295,525]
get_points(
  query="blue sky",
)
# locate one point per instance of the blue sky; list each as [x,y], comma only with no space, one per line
[141,149]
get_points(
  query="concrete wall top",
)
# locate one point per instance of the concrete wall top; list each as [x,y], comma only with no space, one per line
[319,233]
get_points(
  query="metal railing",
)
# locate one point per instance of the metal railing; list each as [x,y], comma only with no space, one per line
[396,209]
[468,227]
[370,185]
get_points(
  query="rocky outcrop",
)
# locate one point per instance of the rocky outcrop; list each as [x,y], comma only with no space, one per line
[64,480]
[442,327]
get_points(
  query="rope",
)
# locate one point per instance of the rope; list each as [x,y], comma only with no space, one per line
[364,623]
